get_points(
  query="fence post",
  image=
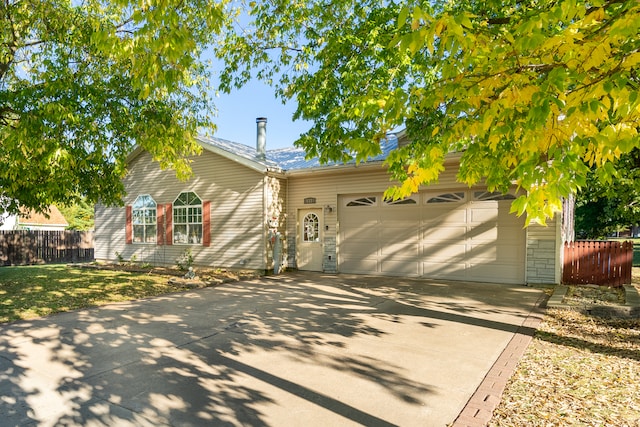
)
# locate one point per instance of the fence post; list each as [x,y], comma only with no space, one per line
[627,264]
[566,263]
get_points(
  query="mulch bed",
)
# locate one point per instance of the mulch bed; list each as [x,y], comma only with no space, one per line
[580,369]
[204,277]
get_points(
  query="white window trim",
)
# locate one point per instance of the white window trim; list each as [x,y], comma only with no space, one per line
[316,224]
[144,225]
[358,200]
[188,224]
[495,196]
[439,194]
[413,200]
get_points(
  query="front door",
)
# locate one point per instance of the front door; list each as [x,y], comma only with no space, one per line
[309,256]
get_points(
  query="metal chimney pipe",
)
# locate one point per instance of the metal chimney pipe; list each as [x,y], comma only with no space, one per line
[261,138]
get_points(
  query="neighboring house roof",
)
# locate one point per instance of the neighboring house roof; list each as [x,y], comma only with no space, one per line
[32,218]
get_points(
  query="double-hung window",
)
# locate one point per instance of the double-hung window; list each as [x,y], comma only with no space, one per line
[144,219]
[187,219]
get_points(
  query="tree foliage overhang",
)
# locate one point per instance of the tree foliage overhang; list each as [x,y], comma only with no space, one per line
[83,82]
[533,93]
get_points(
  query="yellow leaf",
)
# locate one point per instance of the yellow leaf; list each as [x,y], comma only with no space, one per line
[598,55]
[631,60]
[439,27]
[435,131]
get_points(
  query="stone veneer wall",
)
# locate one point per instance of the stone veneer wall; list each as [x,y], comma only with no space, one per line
[543,253]
[330,263]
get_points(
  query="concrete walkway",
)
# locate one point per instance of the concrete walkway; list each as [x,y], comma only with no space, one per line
[295,349]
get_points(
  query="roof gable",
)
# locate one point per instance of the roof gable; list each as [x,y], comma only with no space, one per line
[240,153]
[277,160]
[55,217]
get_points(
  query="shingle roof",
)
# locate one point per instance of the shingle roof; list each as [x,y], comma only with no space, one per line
[290,158]
[237,149]
[32,218]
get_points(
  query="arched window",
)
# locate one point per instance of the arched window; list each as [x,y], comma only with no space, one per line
[495,195]
[187,219]
[311,228]
[447,198]
[362,201]
[144,219]
[411,200]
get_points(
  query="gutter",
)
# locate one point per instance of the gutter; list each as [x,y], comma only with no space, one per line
[449,159]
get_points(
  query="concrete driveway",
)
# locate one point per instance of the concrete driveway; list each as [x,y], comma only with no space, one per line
[295,349]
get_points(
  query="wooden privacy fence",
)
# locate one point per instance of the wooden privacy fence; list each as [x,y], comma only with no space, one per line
[597,262]
[37,247]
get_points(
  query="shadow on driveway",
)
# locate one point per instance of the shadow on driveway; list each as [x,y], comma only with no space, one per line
[295,349]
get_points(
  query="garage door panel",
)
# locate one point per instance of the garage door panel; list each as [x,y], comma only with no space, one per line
[396,234]
[444,270]
[405,250]
[495,253]
[502,273]
[489,233]
[396,214]
[480,215]
[402,267]
[362,248]
[445,251]
[433,217]
[503,235]
[473,240]
[359,226]
[444,233]
[370,234]
[359,265]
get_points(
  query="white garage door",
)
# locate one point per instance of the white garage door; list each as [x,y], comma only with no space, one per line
[456,235]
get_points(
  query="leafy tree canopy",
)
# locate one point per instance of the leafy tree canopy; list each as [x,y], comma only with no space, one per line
[83,82]
[602,208]
[80,215]
[533,93]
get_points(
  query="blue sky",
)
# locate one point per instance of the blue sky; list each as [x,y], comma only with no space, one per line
[237,113]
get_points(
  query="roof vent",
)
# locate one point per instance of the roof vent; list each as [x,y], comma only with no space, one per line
[261,138]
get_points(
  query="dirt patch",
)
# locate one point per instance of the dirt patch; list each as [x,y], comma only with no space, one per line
[594,295]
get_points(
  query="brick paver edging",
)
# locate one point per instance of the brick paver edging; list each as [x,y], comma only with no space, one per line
[479,409]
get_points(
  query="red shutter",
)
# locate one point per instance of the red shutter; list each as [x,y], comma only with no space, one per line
[206,223]
[128,226]
[160,224]
[169,224]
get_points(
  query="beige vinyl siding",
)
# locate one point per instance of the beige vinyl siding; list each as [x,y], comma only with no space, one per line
[109,232]
[236,194]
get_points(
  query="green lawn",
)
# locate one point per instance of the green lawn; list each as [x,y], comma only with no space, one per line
[27,292]
[636,250]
